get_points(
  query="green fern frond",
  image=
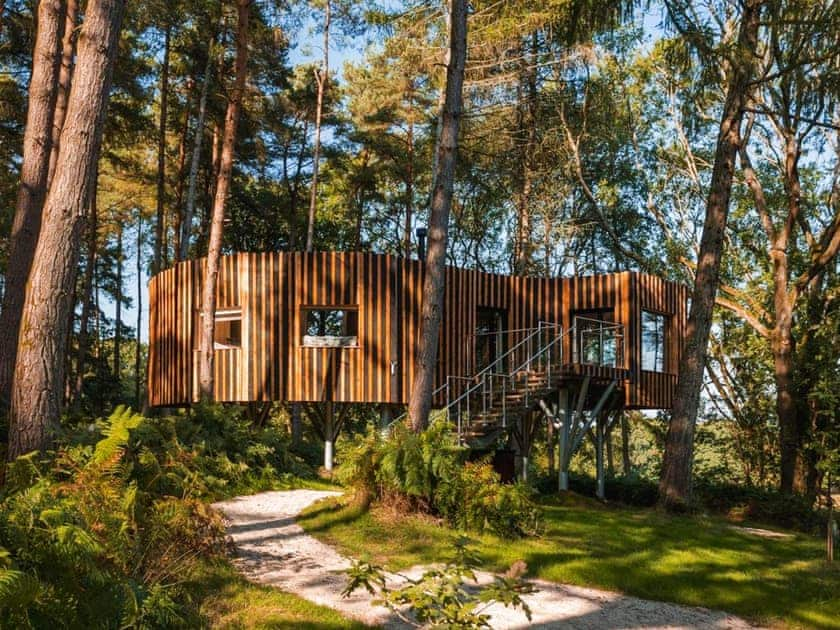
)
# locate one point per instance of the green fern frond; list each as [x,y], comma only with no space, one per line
[17,589]
[117,433]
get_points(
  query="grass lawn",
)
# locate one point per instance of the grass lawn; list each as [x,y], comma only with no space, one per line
[687,560]
[229,601]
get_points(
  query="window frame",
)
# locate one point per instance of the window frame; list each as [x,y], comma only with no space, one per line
[226,314]
[604,315]
[351,341]
[665,341]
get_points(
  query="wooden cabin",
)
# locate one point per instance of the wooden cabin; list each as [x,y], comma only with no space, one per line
[343,327]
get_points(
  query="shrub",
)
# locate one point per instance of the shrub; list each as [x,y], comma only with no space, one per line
[762,505]
[84,545]
[427,472]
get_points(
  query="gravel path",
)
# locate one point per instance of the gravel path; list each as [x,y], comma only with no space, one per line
[271,548]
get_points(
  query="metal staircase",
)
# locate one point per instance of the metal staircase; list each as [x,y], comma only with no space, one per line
[485,405]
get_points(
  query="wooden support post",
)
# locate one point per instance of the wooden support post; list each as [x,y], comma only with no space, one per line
[386,417]
[600,429]
[329,436]
[564,407]
[296,424]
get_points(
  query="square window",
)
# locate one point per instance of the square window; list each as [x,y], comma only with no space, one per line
[227,329]
[330,327]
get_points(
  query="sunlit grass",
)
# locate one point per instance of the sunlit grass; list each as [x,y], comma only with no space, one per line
[228,601]
[687,560]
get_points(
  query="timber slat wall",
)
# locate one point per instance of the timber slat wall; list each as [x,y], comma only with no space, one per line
[272,288]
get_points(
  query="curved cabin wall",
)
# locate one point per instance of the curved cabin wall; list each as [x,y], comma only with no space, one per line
[273,290]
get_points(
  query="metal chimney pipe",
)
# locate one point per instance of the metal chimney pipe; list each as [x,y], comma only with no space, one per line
[421,233]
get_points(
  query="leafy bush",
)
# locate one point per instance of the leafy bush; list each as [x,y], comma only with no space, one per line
[630,490]
[427,472]
[105,531]
[762,505]
[83,544]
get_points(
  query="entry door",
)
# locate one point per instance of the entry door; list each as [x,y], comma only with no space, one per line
[490,324]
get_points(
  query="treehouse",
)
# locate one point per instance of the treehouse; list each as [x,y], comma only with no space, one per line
[337,328]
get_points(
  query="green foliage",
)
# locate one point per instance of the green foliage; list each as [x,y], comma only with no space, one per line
[104,532]
[443,597]
[426,472]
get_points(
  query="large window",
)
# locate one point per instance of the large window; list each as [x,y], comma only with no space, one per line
[598,339]
[227,331]
[654,330]
[330,327]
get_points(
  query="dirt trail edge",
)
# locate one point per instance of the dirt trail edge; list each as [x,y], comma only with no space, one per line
[271,548]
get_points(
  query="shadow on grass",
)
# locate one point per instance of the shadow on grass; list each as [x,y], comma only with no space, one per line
[687,560]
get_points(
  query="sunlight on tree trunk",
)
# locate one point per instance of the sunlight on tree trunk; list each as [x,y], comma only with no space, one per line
[34,172]
[322,78]
[214,249]
[675,480]
[420,402]
[39,371]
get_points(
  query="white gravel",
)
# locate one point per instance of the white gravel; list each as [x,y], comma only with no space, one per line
[271,548]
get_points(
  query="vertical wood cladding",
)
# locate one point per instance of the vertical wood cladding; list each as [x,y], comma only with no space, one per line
[272,289]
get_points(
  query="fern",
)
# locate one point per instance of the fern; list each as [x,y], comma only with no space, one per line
[117,433]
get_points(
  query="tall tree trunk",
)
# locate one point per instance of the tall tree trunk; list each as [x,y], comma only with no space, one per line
[195,159]
[65,76]
[214,248]
[433,283]
[322,77]
[87,294]
[409,180]
[119,299]
[34,170]
[36,395]
[528,128]
[138,347]
[179,186]
[160,214]
[675,480]
[782,342]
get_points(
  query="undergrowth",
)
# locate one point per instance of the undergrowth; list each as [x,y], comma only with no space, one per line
[107,530]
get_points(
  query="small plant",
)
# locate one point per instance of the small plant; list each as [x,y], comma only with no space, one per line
[447,597]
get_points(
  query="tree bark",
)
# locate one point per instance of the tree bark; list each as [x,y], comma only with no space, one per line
[434,281]
[138,347]
[214,248]
[160,214]
[36,396]
[179,186]
[527,114]
[118,299]
[34,171]
[782,341]
[322,77]
[65,76]
[195,160]
[675,480]
[87,294]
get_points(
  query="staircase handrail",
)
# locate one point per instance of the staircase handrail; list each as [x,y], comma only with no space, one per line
[478,377]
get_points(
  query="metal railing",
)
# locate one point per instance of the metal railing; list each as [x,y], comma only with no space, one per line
[535,359]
